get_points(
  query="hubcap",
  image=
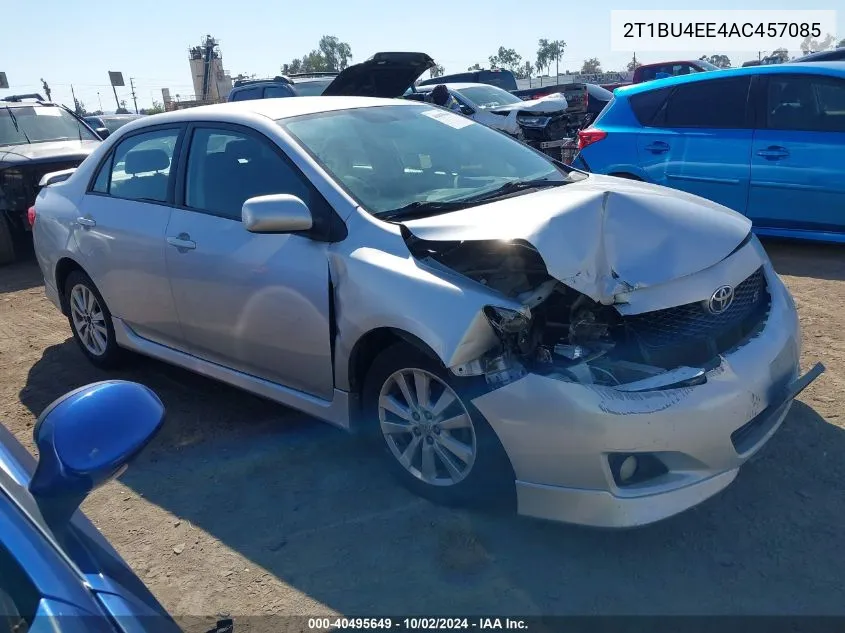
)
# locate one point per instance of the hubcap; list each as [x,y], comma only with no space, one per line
[427,427]
[88,320]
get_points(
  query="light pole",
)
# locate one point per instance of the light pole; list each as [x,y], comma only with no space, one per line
[100,101]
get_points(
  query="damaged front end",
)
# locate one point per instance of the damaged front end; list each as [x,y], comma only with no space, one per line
[561,333]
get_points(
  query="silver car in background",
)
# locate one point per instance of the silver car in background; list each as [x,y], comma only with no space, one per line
[509,330]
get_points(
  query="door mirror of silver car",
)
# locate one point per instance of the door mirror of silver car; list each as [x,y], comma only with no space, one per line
[277,213]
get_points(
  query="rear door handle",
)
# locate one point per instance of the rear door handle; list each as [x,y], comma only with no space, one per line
[658,147]
[86,221]
[773,152]
[182,242]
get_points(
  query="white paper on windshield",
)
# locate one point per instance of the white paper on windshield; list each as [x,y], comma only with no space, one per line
[449,118]
[47,111]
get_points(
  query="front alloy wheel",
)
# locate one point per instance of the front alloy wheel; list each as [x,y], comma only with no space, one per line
[432,437]
[427,427]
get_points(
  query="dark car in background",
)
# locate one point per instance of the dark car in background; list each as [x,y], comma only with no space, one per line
[835,55]
[498,77]
[298,85]
[57,572]
[36,138]
[111,122]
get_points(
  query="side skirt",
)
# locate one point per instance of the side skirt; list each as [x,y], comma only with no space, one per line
[334,411]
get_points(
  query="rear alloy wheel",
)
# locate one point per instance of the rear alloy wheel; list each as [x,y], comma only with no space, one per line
[434,440]
[90,320]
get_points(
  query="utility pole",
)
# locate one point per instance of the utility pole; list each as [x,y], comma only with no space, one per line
[100,101]
[46,89]
[76,107]
[134,97]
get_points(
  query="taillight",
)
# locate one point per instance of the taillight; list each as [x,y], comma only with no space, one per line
[589,136]
[30,216]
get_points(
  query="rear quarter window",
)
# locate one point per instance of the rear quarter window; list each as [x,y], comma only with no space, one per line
[646,105]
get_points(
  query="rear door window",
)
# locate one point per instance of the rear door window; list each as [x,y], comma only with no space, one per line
[247,93]
[812,103]
[271,92]
[139,168]
[718,103]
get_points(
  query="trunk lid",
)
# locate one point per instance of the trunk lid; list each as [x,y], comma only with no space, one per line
[386,75]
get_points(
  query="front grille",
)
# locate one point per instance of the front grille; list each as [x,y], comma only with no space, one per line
[692,334]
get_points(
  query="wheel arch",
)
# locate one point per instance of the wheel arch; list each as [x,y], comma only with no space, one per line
[64,267]
[367,348]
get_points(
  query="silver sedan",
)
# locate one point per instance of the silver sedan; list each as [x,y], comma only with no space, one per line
[509,330]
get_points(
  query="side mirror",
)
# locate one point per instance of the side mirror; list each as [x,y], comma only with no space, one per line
[277,213]
[465,109]
[102,132]
[87,437]
[56,176]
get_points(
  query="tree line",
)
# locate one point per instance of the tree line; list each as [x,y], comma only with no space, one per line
[333,55]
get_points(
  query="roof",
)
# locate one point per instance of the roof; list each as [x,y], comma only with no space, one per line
[820,68]
[456,86]
[272,108]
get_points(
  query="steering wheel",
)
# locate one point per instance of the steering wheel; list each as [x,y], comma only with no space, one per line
[361,185]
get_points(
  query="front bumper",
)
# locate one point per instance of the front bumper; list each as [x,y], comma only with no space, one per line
[559,434]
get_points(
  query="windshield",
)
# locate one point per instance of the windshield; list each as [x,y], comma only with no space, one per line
[312,88]
[389,157]
[35,124]
[488,96]
[707,65]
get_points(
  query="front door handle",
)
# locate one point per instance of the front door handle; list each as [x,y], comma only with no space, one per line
[182,242]
[86,221]
[773,152]
[658,147]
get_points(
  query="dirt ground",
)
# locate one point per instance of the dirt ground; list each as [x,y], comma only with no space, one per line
[241,506]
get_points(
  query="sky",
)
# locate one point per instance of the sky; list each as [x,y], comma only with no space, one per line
[77,44]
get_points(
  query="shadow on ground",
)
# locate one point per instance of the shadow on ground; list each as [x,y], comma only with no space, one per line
[807,259]
[21,275]
[306,503]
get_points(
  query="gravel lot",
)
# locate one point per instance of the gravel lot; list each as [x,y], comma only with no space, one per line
[241,506]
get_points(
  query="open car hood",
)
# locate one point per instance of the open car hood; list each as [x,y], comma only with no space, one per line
[386,75]
[602,236]
[548,104]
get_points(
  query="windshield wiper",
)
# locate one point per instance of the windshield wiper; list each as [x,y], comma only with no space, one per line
[15,123]
[423,208]
[514,186]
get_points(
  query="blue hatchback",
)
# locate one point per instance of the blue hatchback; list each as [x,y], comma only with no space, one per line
[767,141]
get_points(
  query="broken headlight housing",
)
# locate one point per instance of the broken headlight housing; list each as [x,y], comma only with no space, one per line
[533,121]
[507,321]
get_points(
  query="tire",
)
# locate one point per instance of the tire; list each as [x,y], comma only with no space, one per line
[8,253]
[485,479]
[78,289]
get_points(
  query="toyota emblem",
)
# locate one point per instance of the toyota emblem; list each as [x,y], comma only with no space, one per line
[720,300]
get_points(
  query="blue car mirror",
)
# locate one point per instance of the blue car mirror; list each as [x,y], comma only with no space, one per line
[87,437]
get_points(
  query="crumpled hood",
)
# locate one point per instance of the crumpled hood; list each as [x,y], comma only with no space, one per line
[548,104]
[603,236]
[49,150]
